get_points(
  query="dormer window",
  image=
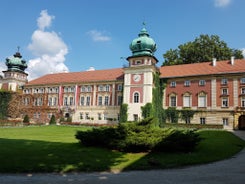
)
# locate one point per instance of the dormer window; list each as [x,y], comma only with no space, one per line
[138,62]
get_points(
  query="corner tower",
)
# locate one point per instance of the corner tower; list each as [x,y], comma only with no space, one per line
[138,77]
[14,77]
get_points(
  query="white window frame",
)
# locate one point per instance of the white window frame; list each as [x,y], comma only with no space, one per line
[187,100]
[224,81]
[173,84]
[171,102]
[202,82]
[242,80]
[187,83]
[224,91]
[136,97]
[202,100]
[243,102]
[225,121]
[225,102]
[242,90]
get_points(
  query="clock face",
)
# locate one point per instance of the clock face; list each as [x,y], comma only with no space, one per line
[137,78]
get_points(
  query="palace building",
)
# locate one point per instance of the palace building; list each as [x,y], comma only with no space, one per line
[215,89]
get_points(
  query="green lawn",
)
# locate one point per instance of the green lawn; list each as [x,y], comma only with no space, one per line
[55,149]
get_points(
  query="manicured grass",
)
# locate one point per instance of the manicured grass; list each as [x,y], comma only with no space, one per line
[55,149]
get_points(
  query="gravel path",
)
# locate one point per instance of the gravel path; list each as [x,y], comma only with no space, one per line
[227,171]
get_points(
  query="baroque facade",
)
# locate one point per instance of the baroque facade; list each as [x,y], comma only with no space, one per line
[215,89]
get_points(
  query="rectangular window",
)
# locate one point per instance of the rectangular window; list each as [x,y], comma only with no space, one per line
[65,101]
[224,91]
[82,101]
[81,115]
[106,100]
[202,82]
[119,100]
[119,87]
[136,117]
[50,101]
[99,116]
[107,88]
[100,100]
[88,101]
[173,84]
[187,101]
[242,81]
[202,121]
[173,101]
[187,83]
[202,101]
[101,88]
[243,102]
[224,81]
[224,102]
[54,101]
[71,100]
[243,91]
[87,116]
[225,121]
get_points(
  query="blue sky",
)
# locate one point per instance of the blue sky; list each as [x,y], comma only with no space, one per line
[74,35]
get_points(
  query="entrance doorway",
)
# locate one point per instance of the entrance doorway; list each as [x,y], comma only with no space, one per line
[241,122]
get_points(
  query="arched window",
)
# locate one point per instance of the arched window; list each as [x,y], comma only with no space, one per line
[173,100]
[136,97]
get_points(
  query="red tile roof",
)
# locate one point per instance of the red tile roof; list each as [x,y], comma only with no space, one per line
[206,68]
[79,77]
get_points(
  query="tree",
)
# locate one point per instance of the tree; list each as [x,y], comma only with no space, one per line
[187,115]
[123,113]
[52,120]
[202,49]
[147,110]
[172,114]
[26,119]
[5,97]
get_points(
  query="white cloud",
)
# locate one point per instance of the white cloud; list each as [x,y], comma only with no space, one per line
[45,20]
[2,68]
[98,36]
[49,49]
[221,3]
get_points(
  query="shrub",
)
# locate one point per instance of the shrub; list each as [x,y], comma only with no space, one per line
[26,119]
[52,120]
[140,137]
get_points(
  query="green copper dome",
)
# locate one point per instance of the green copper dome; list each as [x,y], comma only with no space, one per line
[143,45]
[16,63]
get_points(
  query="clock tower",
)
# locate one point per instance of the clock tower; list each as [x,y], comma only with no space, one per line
[138,76]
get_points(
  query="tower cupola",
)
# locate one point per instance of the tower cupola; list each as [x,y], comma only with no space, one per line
[16,63]
[143,45]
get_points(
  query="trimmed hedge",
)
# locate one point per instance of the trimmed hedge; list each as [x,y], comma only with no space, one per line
[140,137]
[193,126]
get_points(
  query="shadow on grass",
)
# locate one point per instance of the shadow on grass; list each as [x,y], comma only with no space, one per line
[215,146]
[41,156]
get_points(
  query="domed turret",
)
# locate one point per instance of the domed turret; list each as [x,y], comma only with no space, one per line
[16,63]
[143,45]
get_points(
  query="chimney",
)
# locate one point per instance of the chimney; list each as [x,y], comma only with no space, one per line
[214,62]
[232,60]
